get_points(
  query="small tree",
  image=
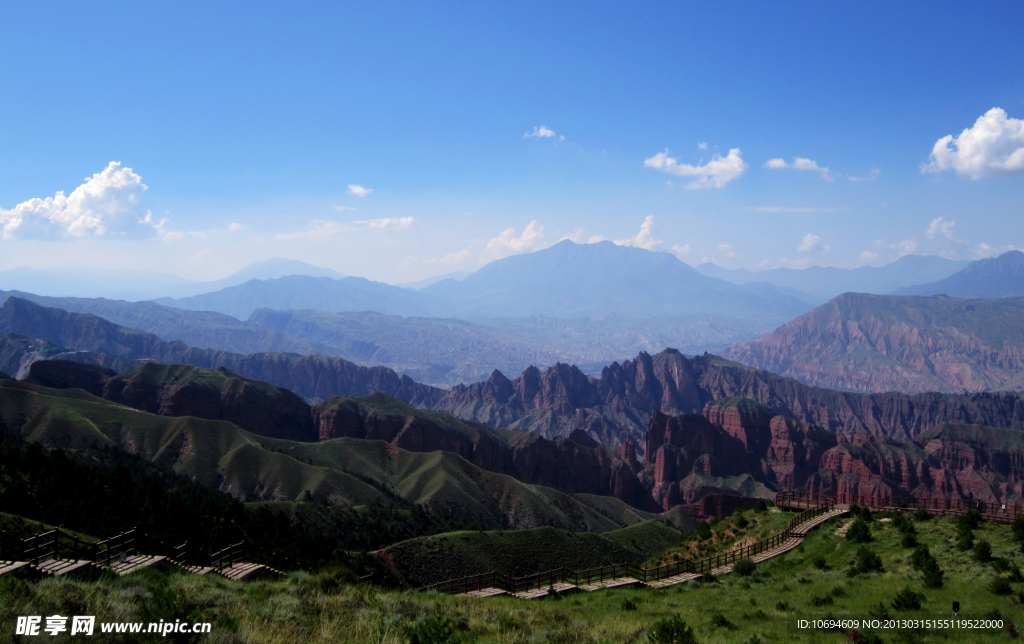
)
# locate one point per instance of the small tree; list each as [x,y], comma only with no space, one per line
[907,599]
[983,551]
[859,532]
[760,506]
[671,630]
[867,560]
[744,567]
[1000,586]
[704,530]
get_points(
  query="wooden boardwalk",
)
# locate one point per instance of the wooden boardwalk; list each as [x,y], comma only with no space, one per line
[794,535]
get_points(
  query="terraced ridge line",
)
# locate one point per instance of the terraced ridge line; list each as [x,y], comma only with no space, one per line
[562,580]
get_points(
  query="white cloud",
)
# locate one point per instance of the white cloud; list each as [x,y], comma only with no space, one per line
[867,256]
[940,226]
[596,238]
[984,251]
[106,204]
[341,208]
[359,191]
[451,259]
[714,174]
[906,247]
[809,243]
[681,251]
[644,238]
[507,240]
[389,222]
[317,228]
[800,164]
[235,227]
[575,236]
[158,227]
[993,146]
[726,249]
[874,174]
[542,132]
[702,146]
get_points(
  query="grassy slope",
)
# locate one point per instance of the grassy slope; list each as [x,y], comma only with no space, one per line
[219,454]
[317,609]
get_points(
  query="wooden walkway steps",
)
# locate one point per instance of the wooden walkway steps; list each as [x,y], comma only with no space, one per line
[248,571]
[138,562]
[543,592]
[484,592]
[672,581]
[19,569]
[70,567]
[621,582]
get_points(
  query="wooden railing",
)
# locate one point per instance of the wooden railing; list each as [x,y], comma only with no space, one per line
[116,547]
[619,571]
[229,556]
[940,506]
[54,544]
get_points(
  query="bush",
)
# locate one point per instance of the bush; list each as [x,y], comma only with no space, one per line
[704,530]
[867,560]
[971,519]
[1015,575]
[760,506]
[838,591]
[821,601]
[1017,529]
[709,578]
[437,629]
[879,611]
[783,606]
[933,577]
[1000,586]
[744,567]
[719,620]
[742,523]
[904,524]
[860,512]
[909,540]
[1000,564]
[671,630]
[628,604]
[819,562]
[508,623]
[965,542]
[983,552]
[907,599]
[859,532]
[921,515]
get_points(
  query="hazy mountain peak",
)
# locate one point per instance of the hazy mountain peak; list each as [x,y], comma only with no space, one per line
[1001,276]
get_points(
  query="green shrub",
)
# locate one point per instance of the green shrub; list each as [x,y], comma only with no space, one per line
[742,523]
[437,629]
[839,591]
[783,606]
[1017,529]
[867,560]
[904,524]
[508,623]
[1000,586]
[921,557]
[671,630]
[704,530]
[628,604]
[861,512]
[821,601]
[1015,575]
[819,562]
[907,599]
[970,519]
[859,532]
[760,506]
[983,551]
[709,577]
[744,567]
[965,542]
[909,540]
[921,515]
[1000,564]
[933,576]
[719,620]
[879,612]
[993,615]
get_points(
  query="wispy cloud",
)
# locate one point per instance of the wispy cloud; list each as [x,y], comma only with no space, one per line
[317,228]
[388,222]
[343,208]
[871,176]
[994,145]
[716,173]
[726,249]
[541,132]
[644,238]
[794,209]
[451,259]
[800,164]
[359,191]
[940,226]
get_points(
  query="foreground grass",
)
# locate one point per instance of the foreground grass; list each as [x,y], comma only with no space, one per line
[810,581]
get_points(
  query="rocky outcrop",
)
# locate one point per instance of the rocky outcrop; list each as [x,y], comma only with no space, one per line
[879,343]
[218,394]
[573,464]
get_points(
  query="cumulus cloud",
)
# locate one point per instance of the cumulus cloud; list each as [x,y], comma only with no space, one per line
[800,164]
[357,190]
[542,132]
[106,204]
[906,247]
[644,238]
[867,256]
[714,174]
[451,259]
[940,226]
[388,222]
[596,238]
[681,251]
[726,249]
[809,243]
[702,146]
[507,240]
[993,146]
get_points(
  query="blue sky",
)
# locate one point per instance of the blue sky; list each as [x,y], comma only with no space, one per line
[247,125]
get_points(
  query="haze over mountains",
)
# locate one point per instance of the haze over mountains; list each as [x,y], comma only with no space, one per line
[1001,276]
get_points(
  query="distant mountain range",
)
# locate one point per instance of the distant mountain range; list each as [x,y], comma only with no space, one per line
[880,343]
[828,282]
[1001,276]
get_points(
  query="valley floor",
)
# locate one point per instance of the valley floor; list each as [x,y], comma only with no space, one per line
[809,582]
